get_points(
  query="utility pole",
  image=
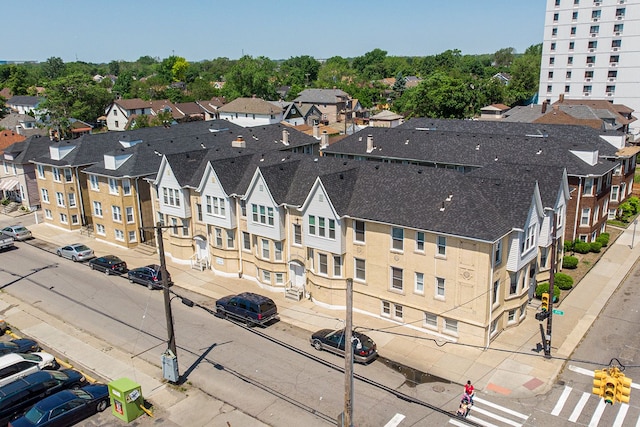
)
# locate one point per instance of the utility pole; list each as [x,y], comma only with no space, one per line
[547,342]
[347,415]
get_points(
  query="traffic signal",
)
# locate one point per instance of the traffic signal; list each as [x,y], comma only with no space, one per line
[610,386]
[545,302]
[599,377]
[623,389]
[541,315]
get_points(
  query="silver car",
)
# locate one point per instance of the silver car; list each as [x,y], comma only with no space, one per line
[18,232]
[75,252]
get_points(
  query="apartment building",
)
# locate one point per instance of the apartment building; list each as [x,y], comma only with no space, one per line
[431,250]
[593,159]
[590,51]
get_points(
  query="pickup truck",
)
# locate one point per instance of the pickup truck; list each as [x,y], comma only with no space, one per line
[6,241]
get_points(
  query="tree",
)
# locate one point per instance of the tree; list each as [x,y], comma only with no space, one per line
[122,86]
[53,68]
[299,70]
[441,96]
[370,66]
[525,73]
[399,85]
[249,77]
[4,110]
[114,68]
[335,70]
[504,57]
[18,81]
[179,69]
[73,96]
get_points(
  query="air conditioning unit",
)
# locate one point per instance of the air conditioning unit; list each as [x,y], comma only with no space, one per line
[597,3]
[609,93]
[615,49]
[586,93]
[587,80]
[594,34]
[592,50]
[613,64]
[617,33]
[590,64]
[619,17]
[612,79]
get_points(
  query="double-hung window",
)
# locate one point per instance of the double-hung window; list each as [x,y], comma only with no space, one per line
[397,235]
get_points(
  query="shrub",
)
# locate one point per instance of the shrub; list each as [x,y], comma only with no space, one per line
[563,281]
[544,287]
[569,262]
[595,246]
[568,246]
[582,247]
[603,238]
[5,201]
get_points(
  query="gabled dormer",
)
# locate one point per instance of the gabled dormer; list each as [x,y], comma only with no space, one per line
[264,216]
[172,198]
[322,226]
[59,151]
[217,207]
[523,247]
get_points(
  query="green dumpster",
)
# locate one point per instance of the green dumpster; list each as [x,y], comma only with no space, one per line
[126,399]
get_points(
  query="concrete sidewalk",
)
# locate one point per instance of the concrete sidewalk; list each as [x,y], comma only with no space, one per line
[509,367]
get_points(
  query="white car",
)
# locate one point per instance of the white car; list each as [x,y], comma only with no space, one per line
[18,365]
[76,252]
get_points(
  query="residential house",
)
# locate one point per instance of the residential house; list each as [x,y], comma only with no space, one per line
[386,119]
[493,111]
[332,103]
[24,104]
[249,112]
[211,107]
[122,112]
[590,157]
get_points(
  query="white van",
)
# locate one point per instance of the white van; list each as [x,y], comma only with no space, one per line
[18,365]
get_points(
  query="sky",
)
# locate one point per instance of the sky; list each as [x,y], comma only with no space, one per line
[101,32]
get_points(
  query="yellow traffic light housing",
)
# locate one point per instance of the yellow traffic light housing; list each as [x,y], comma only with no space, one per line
[610,386]
[545,302]
[599,377]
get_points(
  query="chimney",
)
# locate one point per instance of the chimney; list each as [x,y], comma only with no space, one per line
[544,106]
[324,140]
[561,98]
[316,131]
[369,143]
[285,137]
[239,142]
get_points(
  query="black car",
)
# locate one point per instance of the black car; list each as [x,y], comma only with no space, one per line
[22,345]
[109,264]
[20,395]
[364,349]
[149,275]
[66,407]
[251,308]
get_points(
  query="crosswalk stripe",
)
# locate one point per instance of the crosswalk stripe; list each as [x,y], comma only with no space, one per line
[481,422]
[457,423]
[395,420]
[561,401]
[597,414]
[501,408]
[621,414]
[638,423]
[579,407]
[495,416]
[589,373]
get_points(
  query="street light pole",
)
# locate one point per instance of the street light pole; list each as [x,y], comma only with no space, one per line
[633,236]
[547,343]
[165,290]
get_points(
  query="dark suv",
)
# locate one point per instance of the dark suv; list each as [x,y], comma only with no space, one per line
[251,308]
[149,275]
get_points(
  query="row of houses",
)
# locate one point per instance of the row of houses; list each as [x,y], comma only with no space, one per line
[445,230]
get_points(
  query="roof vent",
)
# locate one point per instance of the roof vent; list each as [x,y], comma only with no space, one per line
[442,207]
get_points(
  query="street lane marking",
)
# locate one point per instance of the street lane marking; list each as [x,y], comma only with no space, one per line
[561,401]
[579,407]
[497,417]
[501,408]
[589,373]
[597,414]
[481,422]
[621,414]
[395,421]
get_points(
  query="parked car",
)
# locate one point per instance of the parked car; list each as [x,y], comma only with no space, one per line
[18,232]
[66,407]
[17,365]
[109,264]
[75,252]
[6,241]
[253,309]
[364,349]
[3,326]
[21,345]
[20,395]
[149,275]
